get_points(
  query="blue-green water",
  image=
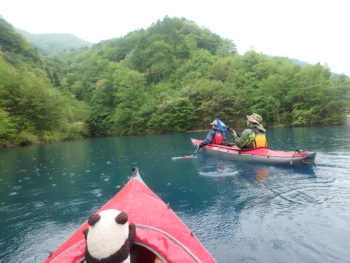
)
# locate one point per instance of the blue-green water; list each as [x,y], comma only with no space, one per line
[240,212]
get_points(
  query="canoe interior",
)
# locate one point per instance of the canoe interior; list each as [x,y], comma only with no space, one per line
[140,254]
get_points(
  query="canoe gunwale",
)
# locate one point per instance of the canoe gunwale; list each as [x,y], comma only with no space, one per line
[171,238]
[63,253]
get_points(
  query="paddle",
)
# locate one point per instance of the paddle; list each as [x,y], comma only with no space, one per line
[190,156]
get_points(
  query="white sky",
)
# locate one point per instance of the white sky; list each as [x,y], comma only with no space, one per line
[314,31]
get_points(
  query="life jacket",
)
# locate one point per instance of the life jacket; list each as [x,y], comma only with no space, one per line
[256,139]
[218,138]
[259,139]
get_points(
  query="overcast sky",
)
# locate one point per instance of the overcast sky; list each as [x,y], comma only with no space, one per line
[314,31]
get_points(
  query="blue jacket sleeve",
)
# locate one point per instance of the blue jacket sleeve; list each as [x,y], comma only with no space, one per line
[208,139]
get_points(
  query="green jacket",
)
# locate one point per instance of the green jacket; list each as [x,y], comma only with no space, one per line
[247,137]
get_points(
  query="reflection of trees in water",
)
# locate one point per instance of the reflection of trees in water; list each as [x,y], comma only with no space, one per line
[263,173]
[267,179]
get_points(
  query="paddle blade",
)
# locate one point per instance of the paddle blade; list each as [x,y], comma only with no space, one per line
[186,157]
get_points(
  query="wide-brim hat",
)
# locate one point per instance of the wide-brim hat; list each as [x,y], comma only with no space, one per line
[255,118]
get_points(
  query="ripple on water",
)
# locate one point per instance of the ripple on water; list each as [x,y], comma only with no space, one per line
[38,204]
[97,192]
[334,160]
[35,242]
[220,173]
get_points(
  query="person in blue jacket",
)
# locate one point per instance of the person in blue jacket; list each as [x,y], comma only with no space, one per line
[216,135]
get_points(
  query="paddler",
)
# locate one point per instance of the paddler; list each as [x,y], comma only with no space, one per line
[216,135]
[254,136]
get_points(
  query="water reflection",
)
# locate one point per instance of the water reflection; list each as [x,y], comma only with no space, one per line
[264,183]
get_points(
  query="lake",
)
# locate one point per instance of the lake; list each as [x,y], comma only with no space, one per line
[240,212]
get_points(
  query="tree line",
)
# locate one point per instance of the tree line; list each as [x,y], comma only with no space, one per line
[172,77]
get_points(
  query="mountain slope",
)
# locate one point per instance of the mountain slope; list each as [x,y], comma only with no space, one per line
[32,109]
[15,44]
[49,44]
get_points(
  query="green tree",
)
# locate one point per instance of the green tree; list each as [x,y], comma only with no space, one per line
[129,95]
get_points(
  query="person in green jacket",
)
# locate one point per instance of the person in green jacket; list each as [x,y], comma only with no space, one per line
[254,136]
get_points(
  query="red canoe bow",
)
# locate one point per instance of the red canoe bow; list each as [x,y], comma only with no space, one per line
[158,229]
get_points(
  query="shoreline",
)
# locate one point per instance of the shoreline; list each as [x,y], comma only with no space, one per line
[12,145]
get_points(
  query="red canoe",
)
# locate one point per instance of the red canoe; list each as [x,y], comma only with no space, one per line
[260,155]
[159,232]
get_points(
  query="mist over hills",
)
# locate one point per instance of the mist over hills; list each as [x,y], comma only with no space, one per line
[52,43]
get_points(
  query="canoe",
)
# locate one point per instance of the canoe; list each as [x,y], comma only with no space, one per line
[264,155]
[159,232]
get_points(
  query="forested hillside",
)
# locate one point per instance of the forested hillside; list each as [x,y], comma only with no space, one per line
[31,108]
[172,77]
[49,44]
[176,76]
